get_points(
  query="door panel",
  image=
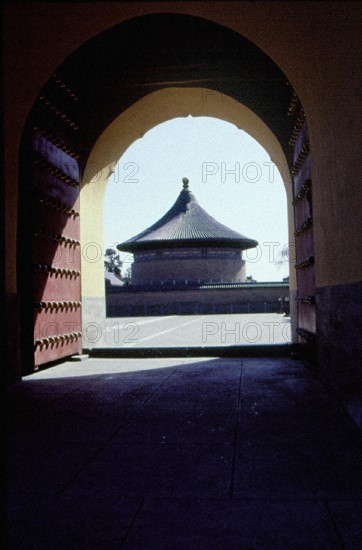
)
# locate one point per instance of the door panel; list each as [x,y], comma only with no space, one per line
[303,216]
[55,251]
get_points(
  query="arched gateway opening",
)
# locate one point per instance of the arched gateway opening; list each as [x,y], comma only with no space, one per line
[109,92]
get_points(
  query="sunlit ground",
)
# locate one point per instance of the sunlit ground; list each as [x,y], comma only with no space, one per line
[196,330]
[105,370]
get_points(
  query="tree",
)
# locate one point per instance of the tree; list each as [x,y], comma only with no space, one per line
[283,257]
[127,275]
[112,262]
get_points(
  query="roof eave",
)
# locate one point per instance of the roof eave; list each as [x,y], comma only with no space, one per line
[241,244]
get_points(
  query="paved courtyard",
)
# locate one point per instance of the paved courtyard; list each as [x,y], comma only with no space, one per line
[171,454]
[193,330]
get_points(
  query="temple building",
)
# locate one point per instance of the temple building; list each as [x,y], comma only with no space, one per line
[189,263]
[187,247]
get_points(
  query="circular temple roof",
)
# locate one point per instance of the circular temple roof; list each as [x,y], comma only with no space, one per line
[186,224]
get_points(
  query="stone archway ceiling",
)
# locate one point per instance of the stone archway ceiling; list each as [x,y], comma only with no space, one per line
[121,65]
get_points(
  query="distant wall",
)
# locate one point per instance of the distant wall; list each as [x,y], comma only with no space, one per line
[197,301]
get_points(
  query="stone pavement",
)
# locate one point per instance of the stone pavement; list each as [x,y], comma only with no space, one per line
[179,454]
[245,329]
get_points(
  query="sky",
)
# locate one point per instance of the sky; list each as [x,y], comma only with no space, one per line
[230,174]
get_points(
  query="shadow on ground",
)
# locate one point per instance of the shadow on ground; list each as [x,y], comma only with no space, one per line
[181,454]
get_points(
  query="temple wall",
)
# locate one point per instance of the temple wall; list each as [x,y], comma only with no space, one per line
[188,269]
[195,301]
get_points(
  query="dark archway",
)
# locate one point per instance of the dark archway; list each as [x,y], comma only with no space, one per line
[93,86]
[145,54]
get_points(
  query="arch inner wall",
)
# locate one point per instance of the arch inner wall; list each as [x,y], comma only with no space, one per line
[132,124]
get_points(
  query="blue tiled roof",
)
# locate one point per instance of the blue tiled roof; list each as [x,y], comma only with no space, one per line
[266,284]
[187,223]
